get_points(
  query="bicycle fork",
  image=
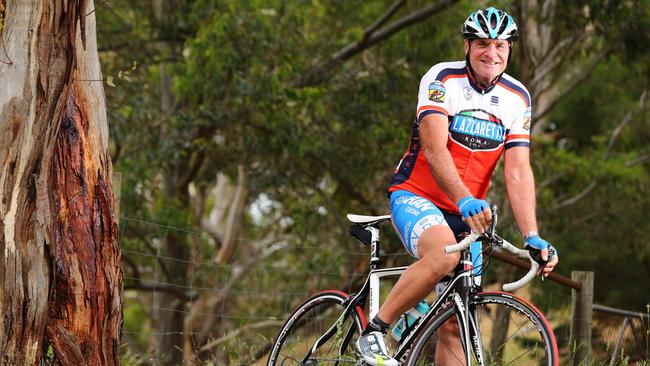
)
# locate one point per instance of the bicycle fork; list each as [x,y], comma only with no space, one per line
[467,317]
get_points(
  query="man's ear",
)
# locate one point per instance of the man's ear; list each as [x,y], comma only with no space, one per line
[466,44]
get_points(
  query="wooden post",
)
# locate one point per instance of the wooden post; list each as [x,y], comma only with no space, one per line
[581,317]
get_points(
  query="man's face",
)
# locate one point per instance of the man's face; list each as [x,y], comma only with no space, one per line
[488,57]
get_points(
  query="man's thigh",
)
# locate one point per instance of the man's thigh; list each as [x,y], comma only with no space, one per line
[412,216]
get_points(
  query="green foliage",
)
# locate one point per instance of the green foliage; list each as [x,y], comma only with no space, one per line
[221,85]
[136,324]
[606,228]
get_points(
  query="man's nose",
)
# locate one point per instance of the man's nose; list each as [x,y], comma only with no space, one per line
[492,49]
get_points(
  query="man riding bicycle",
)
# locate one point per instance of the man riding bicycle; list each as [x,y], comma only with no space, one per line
[469,112]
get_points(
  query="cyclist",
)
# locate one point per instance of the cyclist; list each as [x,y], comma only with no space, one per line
[469,112]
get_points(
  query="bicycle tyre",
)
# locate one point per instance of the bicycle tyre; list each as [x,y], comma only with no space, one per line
[527,336]
[308,322]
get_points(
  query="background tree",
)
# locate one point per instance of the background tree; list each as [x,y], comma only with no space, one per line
[61,278]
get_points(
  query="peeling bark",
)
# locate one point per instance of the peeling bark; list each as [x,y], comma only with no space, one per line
[61,277]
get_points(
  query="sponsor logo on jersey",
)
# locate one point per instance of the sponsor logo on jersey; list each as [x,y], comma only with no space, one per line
[477,130]
[527,119]
[437,92]
[467,92]
[494,100]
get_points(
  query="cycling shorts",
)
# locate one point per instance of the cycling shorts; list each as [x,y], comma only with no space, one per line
[412,215]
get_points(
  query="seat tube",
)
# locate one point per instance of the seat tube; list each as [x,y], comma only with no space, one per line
[374,264]
[374,247]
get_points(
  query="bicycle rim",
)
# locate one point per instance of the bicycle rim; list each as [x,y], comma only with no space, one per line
[309,322]
[510,330]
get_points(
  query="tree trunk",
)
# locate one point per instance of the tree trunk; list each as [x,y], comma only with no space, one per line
[225,221]
[61,278]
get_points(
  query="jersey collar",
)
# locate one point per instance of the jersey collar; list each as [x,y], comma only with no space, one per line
[474,83]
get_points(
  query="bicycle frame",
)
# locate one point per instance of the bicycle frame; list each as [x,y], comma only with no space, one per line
[459,290]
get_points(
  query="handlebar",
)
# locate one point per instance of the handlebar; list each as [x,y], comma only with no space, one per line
[500,244]
[503,245]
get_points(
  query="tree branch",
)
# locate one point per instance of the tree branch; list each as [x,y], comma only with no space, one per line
[612,141]
[375,37]
[158,287]
[153,251]
[617,131]
[319,73]
[579,78]
[135,271]
[215,298]
[237,332]
[551,61]
[195,165]
[576,198]
[382,19]
[638,160]
[234,218]
[138,285]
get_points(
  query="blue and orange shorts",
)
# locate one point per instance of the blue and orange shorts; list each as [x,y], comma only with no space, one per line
[412,215]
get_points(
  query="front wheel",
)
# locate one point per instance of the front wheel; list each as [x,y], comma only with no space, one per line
[504,330]
[309,322]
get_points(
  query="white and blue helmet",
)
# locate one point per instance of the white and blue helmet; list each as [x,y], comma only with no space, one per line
[490,23]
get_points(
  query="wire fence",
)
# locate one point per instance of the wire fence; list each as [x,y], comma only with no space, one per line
[619,336]
[236,308]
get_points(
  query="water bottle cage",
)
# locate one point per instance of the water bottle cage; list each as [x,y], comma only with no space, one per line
[409,327]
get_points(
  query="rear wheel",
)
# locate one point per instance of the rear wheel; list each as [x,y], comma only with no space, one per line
[508,329]
[309,322]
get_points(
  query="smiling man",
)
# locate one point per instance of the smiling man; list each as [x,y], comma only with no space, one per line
[469,114]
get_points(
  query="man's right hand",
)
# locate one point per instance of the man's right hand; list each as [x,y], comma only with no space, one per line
[476,213]
[548,255]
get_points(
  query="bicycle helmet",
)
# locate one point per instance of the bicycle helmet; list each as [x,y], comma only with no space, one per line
[490,23]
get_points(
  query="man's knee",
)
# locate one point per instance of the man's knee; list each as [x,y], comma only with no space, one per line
[432,248]
[450,328]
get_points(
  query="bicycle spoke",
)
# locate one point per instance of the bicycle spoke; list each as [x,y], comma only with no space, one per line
[517,336]
[319,318]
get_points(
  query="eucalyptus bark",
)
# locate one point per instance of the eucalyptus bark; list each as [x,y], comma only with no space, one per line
[61,283]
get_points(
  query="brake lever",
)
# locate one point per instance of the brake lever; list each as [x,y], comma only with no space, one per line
[492,229]
[491,232]
[536,254]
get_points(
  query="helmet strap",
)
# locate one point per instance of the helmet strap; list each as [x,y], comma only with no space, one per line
[510,51]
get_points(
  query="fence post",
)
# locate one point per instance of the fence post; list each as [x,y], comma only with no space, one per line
[581,317]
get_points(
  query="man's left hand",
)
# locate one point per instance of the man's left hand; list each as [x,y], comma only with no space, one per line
[537,243]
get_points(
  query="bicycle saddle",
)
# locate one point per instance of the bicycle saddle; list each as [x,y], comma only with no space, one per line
[365,220]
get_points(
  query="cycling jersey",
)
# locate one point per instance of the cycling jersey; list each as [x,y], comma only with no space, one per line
[482,123]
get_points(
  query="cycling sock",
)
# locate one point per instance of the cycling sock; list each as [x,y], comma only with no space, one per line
[376,325]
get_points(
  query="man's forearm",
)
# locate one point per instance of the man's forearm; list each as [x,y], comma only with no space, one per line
[444,171]
[434,134]
[521,192]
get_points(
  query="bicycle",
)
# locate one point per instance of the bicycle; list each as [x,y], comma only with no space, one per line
[496,328]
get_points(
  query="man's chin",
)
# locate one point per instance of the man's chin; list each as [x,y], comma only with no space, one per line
[488,74]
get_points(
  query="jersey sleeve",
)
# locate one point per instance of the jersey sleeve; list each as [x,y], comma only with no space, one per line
[432,96]
[519,134]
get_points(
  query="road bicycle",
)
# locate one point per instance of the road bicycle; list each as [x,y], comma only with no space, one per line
[495,328]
